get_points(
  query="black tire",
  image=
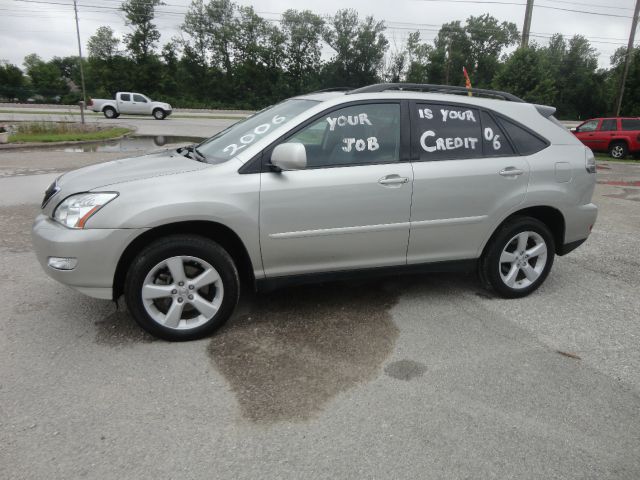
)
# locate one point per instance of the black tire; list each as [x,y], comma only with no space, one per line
[193,246]
[110,112]
[618,150]
[159,114]
[492,270]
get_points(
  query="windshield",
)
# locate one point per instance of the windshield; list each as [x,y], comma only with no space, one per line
[228,143]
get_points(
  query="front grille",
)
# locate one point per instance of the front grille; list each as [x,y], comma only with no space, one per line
[49,193]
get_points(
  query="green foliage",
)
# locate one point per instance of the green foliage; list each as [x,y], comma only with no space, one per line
[360,47]
[12,82]
[526,74]
[63,132]
[228,56]
[103,45]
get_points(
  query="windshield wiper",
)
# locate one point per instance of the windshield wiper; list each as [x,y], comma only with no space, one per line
[193,152]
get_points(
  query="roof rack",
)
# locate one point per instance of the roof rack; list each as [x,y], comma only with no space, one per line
[332,89]
[427,87]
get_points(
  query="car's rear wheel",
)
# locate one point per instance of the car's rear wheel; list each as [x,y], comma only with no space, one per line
[110,112]
[182,287]
[159,114]
[519,257]
[618,150]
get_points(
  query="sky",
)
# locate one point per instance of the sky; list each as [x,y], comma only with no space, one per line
[47,27]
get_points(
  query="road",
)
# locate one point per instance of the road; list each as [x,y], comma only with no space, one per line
[417,377]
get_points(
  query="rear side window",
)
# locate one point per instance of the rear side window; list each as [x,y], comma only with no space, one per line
[446,132]
[525,142]
[609,125]
[125,97]
[631,124]
[494,142]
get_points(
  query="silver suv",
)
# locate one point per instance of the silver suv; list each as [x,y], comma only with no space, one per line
[385,178]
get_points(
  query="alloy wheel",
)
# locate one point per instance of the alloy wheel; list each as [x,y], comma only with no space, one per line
[522,260]
[182,292]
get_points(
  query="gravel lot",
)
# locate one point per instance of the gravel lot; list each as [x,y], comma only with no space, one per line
[415,377]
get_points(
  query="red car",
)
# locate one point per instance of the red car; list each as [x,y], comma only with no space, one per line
[619,135]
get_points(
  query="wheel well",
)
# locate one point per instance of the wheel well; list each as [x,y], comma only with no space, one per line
[156,109]
[550,216]
[108,106]
[217,232]
[618,140]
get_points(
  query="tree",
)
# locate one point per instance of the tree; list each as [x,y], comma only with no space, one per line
[631,98]
[581,88]
[452,51]
[12,82]
[526,74]
[360,47]
[487,40]
[302,48]
[46,78]
[142,40]
[103,44]
[417,59]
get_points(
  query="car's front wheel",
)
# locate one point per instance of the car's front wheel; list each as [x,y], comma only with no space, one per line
[518,257]
[182,287]
[159,114]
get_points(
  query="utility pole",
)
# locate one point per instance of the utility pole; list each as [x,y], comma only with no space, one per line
[527,24]
[627,57]
[84,95]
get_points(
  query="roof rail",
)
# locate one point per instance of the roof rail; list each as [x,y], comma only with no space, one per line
[332,89]
[427,87]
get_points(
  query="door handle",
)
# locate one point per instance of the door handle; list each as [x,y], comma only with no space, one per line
[393,180]
[511,172]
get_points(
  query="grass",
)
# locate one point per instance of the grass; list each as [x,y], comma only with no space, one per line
[63,132]
[603,157]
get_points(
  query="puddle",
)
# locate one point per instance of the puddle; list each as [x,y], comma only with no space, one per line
[405,370]
[299,347]
[133,143]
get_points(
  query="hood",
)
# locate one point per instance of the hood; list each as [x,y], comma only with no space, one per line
[166,162]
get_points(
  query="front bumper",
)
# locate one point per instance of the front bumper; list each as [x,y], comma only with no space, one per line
[97,250]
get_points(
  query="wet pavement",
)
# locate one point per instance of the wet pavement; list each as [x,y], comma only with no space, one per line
[423,376]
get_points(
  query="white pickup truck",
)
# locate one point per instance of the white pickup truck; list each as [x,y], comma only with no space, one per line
[129,103]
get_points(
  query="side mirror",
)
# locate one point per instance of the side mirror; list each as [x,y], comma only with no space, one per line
[573,129]
[289,156]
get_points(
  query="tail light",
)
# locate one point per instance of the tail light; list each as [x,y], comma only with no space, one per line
[638,137]
[90,102]
[590,161]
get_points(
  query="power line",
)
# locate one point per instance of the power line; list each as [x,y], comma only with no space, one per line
[496,2]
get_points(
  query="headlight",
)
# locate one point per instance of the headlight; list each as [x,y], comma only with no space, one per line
[75,210]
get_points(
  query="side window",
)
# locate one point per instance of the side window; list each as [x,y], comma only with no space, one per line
[589,126]
[609,125]
[125,97]
[354,135]
[446,132]
[525,142]
[494,142]
[139,98]
[631,124]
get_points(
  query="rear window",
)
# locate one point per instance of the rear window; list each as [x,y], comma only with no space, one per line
[525,142]
[125,97]
[609,125]
[631,124]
